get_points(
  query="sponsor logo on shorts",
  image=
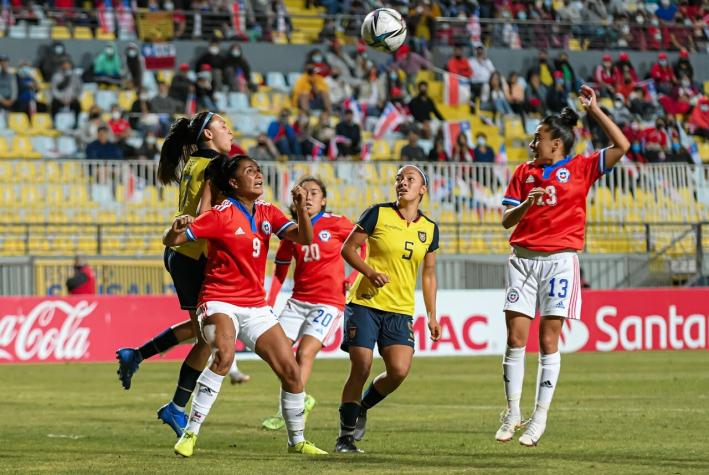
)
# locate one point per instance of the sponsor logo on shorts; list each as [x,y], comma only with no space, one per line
[324,235]
[422,236]
[411,331]
[266,227]
[512,295]
[560,304]
[563,175]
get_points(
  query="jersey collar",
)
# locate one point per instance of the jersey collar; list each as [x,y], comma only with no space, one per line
[316,218]
[548,169]
[396,208]
[249,215]
[205,153]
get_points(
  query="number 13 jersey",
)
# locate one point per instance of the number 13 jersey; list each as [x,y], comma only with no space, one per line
[319,269]
[395,248]
[557,221]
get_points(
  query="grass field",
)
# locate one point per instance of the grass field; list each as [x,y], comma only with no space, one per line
[613,413]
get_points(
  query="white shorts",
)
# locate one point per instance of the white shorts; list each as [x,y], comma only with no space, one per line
[548,283]
[303,318]
[249,322]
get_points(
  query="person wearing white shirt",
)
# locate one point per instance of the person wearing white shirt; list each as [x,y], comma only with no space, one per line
[482,70]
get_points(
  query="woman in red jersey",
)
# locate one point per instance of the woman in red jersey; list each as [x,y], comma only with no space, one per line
[315,308]
[232,301]
[546,200]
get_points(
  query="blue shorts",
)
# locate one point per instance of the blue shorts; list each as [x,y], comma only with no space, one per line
[365,326]
[187,275]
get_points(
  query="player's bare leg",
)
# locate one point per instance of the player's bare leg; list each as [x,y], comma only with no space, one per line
[547,377]
[350,408]
[275,349]
[397,361]
[513,373]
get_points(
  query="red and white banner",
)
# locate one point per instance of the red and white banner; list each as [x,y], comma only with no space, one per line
[456,90]
[41,329]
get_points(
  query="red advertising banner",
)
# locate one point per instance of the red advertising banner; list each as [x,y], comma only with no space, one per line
[91,328]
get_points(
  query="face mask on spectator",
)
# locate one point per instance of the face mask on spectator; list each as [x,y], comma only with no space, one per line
[393,76]
[143,97]
[26,71]
[665,3]
[663,62]
[655,22]
[482,142]
[675,147]
[625,29]
[688,22]
[116,115]
[640,19]
[635,148]
[109,51]
[686,82]
[522,15]
[132,53]
[618,104]
[169,6]
[236,53]
[559,81]
[704,108]
[317,58]
[548,3]
[59,49]
[214,50]
[150,140]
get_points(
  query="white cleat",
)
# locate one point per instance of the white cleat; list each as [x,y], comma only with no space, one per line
[237,377]
[510,424]
[535,430]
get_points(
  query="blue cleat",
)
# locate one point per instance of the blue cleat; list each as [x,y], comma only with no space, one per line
[128,361]
[170,415]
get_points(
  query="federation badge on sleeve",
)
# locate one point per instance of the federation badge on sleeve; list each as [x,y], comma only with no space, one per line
[563,175]
[422,236]
[266,227]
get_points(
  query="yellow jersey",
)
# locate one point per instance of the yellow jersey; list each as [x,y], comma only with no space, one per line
[395,248]
[191,188]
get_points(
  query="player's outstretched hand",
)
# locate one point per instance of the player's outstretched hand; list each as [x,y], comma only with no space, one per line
[378,279]
[434,328]
[299,196]
[587,96]
[181,222]
[534,194]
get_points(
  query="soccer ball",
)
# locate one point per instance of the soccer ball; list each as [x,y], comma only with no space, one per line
[384,29]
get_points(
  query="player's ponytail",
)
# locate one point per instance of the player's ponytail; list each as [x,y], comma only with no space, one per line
[181,142]
[562,127]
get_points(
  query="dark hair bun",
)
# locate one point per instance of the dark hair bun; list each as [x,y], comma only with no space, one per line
[569,117]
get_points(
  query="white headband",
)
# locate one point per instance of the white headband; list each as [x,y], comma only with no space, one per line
[423,175]
[207,118]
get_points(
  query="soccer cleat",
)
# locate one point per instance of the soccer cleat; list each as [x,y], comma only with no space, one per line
[535,430]
[510,424]
[306,448]
[173,417]
[310,403]
[237,377]
[128,361]
[346,444]
[360,425]
[185,446]
[274,422]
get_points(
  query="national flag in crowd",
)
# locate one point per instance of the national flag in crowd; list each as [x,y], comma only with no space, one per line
[238,18]
[191,104]
[501,170]
[390,119]
[456,89]
[649,86]
[690,145]
[474,29]
[332,149]
[366,153]
[6,17]
[451,130]
[353,104]
[318,148]
[441,188]
[125,18]
[106,19]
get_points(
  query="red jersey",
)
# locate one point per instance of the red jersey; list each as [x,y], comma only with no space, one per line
[319,269]
[238,247]
[557,221]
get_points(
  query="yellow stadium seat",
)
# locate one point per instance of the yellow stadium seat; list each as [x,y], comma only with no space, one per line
[246,144]
[61,33]
[281,101]
[381,150]
[257,78]
[42,125]
[398,145]
[574,44]
[704,151]
[105,35]
[4,151]
[706,87]
[18,122]
[261,102]
[22,148]
[83,33]
[126,99]
[87,100]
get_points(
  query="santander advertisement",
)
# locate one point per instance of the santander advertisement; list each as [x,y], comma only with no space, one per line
[91,328]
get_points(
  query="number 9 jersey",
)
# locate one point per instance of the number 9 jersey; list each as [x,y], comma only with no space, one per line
[395,248]
[557,221]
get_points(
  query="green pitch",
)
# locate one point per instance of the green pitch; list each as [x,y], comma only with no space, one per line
[612,413]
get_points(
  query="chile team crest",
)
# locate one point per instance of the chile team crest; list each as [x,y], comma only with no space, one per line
[563,175]
[324,235]
[266,227]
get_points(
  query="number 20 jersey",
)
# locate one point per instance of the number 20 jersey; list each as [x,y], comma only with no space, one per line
[319,269]
[557,221]
[395,248]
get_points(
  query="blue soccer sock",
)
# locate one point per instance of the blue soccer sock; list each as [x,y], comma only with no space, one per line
[159,344]
[371,397]
[349,411]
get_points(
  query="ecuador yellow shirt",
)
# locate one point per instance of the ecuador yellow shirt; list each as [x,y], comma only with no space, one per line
[191,188]
[395,248]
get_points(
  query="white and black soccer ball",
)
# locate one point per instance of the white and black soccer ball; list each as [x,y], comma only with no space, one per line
[384,29]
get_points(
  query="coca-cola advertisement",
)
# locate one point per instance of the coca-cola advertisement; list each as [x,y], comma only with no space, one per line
[91,328]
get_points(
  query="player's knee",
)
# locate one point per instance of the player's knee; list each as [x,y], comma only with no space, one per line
[398,373]
[306,354]
[516,340]
[549,344]
[360,372]
[290,377]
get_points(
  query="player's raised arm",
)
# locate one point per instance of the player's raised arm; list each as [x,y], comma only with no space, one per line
[175,235]
[620,142]
[302,233]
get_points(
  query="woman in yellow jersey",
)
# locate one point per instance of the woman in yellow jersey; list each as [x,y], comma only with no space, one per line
[380,306]
[189,147]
